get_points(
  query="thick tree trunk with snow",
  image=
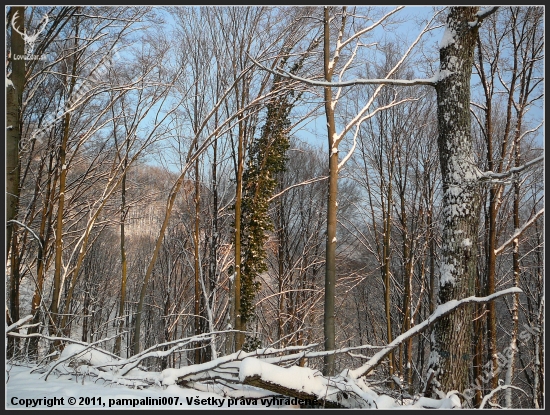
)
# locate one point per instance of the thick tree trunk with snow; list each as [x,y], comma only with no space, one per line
[450,357]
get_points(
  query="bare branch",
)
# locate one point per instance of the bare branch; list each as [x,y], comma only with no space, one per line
[371,27]
[366,117]
[518,232]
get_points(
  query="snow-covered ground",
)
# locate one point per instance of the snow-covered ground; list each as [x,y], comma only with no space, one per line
[25,389]
[85,376]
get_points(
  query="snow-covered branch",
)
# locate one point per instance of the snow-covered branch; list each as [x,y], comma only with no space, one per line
[27,228]
[498,177]
[18,323]
[317,179]
[441,311]
[352,82]
[152,351]
[195,372]
[518,232]
[497,389]
[482,15]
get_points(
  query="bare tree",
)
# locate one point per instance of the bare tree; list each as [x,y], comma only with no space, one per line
[331,64]
[508,54]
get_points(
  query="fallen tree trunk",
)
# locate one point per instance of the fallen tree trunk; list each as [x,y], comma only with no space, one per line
[257,381]
[307,384]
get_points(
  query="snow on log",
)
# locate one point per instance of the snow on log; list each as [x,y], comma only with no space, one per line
[297,382]
[334,392]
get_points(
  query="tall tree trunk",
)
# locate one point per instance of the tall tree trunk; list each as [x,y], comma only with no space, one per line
[330,264]
[86,307]
[491,222]
[54,307]
[197,264]
[387,274]
[431,239]
[15,279]
[123,262]
[44,235]
[14,101]
[491,258]
[281,268]
[515,252]
[516,272]
[213,264]
[450,355]
[479,335]
[238,323]
[407,271]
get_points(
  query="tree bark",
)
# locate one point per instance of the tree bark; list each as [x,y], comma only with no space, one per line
[197,264]
[123,261]
[386,272]
[42,257]
[238,324]
[330,265]
[450,355]
[14,100]
[54,307]
[13,165]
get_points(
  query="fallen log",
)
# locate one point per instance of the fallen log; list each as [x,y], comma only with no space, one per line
[310,400]
[305,383]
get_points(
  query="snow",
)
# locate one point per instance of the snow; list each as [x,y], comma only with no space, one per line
[448,273]
[29,390]
[92,357]
[295,377]
[450,402]
[311,381]
[88,387]
[442,74]
[448,38]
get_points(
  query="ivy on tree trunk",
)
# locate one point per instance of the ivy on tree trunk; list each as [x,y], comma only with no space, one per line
[267,157]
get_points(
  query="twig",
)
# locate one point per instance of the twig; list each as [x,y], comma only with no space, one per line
[498,388]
